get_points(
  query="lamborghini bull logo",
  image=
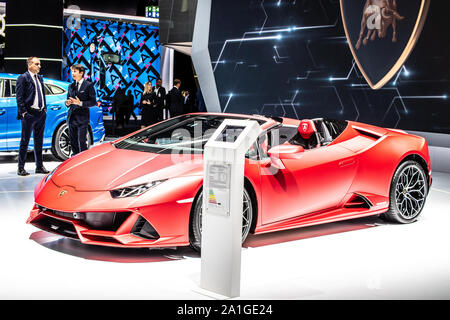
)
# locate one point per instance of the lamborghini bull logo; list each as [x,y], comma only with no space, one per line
[394,26]
[305,127]
[378,16]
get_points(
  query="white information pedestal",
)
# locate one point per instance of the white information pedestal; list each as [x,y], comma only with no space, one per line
[223,188]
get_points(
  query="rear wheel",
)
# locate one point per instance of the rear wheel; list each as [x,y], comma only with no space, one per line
[61,144]
[409,189]
[195,235]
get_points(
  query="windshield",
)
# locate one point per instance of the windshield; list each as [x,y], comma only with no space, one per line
[187,134]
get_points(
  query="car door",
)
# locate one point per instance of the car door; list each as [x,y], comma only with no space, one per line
[315,180]
[14,125]
[3,116]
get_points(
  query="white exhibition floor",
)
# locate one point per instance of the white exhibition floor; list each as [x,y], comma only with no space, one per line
[359,259]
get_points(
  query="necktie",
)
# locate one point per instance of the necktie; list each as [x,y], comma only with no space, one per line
[39,92]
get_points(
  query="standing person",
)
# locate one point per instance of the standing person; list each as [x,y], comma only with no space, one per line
[183,94]
[200,101]
[176,99]
[148,106]
[130,107]
[80,98]
[160,95]
[32,111]
[120,106]
[188,102]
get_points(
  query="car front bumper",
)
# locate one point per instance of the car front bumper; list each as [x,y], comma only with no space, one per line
[132,230]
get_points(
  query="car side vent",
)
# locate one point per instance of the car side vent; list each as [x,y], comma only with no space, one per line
[143,229]
[358,201]
[368,133]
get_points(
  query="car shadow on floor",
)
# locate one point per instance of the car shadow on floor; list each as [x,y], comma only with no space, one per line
[111,254]
[255,241]
[143,255]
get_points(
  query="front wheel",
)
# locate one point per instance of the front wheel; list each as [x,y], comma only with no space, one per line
[61,144]
[409,189]
[195,236]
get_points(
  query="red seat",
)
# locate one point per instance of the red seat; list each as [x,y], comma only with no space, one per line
[307,135]
[307,129]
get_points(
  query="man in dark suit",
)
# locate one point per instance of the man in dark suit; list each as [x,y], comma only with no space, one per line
[32,111]
[200,101]
[175,99]
[160,99]
[189,103]
[80,98]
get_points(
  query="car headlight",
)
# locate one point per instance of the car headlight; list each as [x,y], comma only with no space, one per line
[134,191]
[50,174]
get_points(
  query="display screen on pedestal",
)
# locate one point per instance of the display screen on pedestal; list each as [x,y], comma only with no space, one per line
[230,134]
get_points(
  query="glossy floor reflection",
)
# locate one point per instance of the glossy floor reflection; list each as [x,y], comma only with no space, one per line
[358,259]
[124,255]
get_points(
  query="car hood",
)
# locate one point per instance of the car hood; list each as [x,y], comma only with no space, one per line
[105,168]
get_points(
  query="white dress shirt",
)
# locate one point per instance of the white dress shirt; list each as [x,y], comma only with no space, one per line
[37,87]
[79,83]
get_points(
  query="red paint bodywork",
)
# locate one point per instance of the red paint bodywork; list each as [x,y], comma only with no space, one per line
[316,186]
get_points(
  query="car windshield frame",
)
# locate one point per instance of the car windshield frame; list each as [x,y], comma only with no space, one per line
[178,135]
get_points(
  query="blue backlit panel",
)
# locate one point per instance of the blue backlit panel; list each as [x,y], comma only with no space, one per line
[116,55]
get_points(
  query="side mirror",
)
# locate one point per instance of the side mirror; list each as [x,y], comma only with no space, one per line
[285,151]
[278,153]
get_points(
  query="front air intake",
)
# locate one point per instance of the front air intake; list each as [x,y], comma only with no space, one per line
[56,226]
[143,229]
[104,221]
[108,221]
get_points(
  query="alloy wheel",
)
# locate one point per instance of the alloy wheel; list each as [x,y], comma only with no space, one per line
[410,192]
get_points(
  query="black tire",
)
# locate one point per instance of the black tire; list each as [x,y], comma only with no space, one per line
[61,145]
[409,189]
[195,232]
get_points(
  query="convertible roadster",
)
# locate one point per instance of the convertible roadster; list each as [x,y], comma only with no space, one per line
[145,189]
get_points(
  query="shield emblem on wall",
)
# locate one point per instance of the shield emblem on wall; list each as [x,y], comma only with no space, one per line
[382,34]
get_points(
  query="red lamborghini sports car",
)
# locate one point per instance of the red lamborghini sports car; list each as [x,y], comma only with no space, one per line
[144,190]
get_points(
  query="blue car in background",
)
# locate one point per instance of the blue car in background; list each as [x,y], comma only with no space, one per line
[56,135]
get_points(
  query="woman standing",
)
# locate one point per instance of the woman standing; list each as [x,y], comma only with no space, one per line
[148,106]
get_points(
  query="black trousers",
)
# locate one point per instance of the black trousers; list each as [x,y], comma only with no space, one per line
[160,112]
[121,115]
[33,122]
[149,115]
[77,137]
[175,112]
